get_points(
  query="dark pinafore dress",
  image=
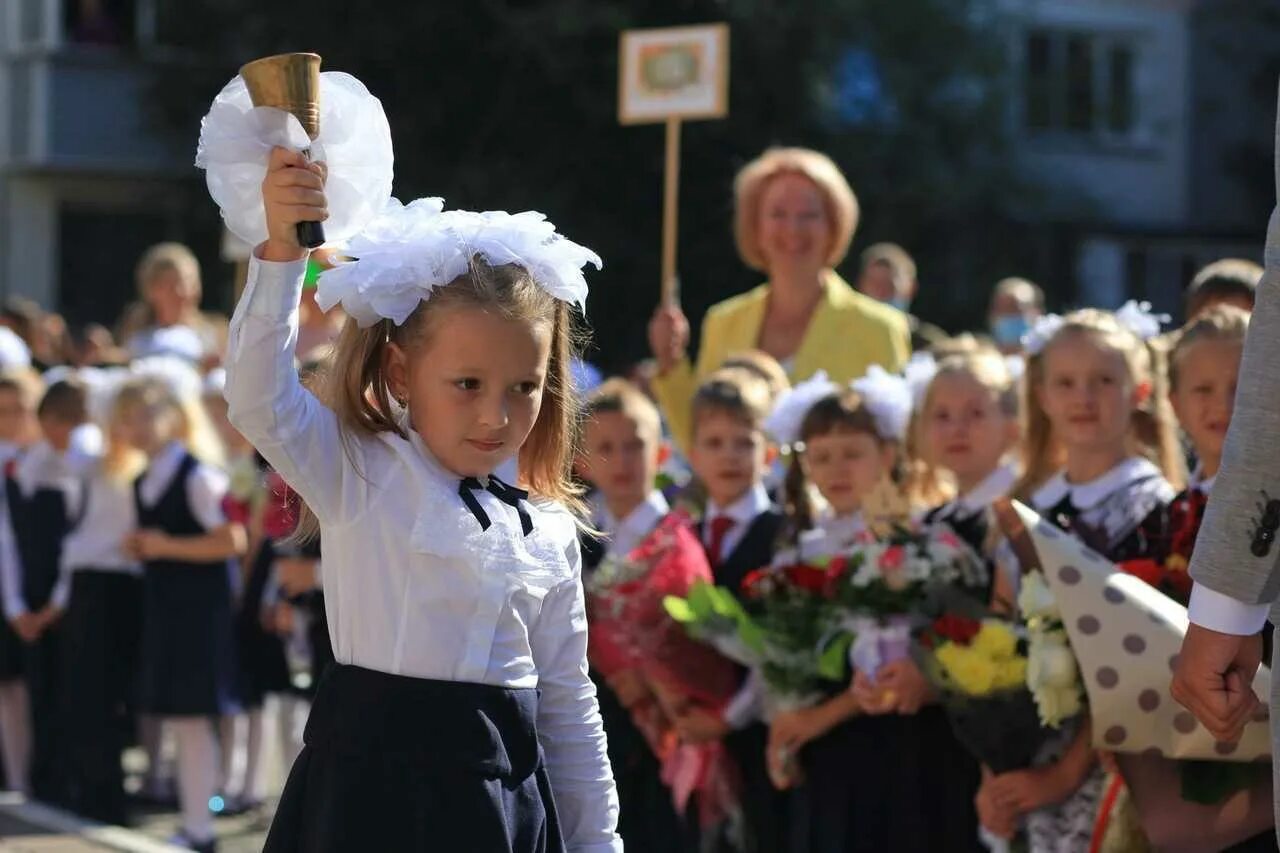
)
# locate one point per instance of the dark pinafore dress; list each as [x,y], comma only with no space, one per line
[39,522]
[414,764]
[187,663]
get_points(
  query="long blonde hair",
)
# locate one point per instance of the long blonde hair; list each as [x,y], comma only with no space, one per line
[1151,430]
[191,424]
[354,383]
[984,365]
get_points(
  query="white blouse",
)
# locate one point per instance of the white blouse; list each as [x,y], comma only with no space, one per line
[413,585]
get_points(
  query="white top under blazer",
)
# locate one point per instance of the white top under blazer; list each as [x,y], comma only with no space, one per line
[413,585]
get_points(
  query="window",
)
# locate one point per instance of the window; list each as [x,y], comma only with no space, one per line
[1078,84]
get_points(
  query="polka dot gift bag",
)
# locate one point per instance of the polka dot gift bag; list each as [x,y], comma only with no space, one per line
[1125,636]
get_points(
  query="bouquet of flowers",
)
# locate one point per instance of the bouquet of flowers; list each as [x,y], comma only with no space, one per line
[787,630]
[889,586]
[633,639]
[979,666]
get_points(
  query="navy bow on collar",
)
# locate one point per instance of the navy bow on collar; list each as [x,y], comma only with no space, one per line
[509,495]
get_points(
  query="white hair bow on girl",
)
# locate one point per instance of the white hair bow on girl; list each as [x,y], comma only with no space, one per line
[235,145]
[409,250]
[1137,317]
[1042,331]
[919,372]
[793,404]
[888,397]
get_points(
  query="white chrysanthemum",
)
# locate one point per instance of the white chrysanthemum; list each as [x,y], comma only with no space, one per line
[409,250]
[1035,599]
[888,398]
[793,404]
[235,145]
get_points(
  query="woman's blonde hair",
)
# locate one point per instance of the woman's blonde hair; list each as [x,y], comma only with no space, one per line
[354,383]
[1151,431]
[838,199]
[191,424]
[165,257]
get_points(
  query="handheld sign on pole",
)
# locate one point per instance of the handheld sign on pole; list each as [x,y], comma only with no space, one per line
[672,75]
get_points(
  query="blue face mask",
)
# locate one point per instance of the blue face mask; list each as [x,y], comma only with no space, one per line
[1008,329]
[902,303]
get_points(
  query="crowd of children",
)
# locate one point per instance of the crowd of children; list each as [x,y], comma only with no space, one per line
[152,588]
[148,582]
[1082,423]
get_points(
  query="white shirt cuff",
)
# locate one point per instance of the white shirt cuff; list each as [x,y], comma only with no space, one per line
[1224,614]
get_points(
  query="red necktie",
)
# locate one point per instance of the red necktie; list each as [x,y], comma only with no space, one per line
[720,527]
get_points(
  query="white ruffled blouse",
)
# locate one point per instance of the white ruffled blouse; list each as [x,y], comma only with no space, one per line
[413,585]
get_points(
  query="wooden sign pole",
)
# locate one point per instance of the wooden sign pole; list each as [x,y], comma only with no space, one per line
[671,213]
[672,75]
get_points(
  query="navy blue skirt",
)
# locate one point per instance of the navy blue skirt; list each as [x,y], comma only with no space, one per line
[187,661]
[412,764]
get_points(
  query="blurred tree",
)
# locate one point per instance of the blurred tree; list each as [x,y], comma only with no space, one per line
[512,104]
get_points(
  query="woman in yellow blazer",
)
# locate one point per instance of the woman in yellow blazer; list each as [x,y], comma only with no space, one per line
[794,218]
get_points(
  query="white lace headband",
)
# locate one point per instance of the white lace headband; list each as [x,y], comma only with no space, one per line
[1135,316]
[409,250]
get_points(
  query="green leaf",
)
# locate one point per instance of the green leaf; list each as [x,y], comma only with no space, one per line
[832,664]
[678,609]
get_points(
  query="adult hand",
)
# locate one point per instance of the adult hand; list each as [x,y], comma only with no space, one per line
[668,336]
[1214,679]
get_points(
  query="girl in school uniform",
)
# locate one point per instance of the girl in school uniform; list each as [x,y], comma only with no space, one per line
[187,667]
[101,627]
[920,796]
[1094,385]
[968,426]
[37,522]
[460,715]
[20,391]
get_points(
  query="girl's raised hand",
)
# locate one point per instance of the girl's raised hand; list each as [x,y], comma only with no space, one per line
[292,192]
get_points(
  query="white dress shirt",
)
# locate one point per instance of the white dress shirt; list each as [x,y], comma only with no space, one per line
[994,486]
[830,536]
[102,514]
[627,533]
[40,467]
[1214,610]
[743,511]
[413,585]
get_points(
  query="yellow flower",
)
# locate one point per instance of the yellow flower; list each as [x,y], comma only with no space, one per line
[995,640]
[973,673]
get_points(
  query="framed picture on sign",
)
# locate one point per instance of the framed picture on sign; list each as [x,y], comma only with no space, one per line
[674,73]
